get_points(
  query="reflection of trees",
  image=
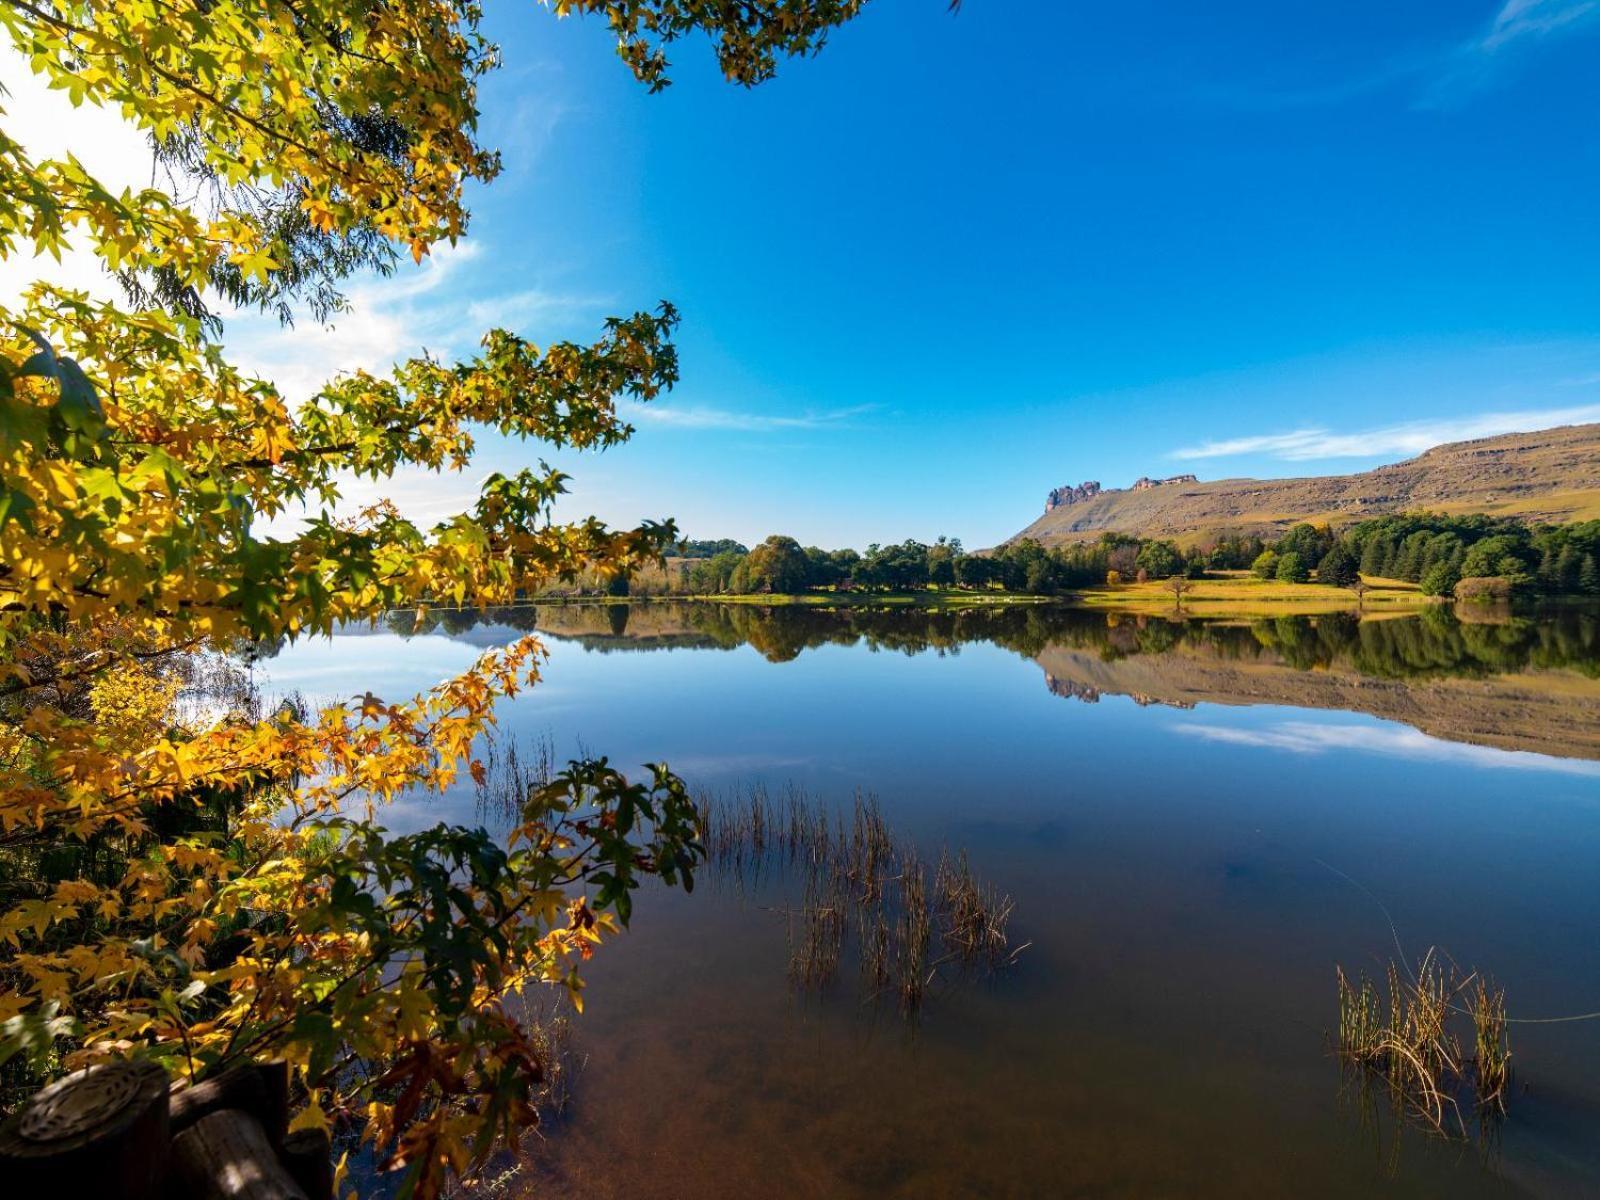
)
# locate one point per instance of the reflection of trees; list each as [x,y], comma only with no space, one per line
[1432,644]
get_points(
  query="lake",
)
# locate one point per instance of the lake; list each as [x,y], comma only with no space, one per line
[1196,821]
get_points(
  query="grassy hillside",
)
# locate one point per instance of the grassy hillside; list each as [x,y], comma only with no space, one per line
[1543,711]
[1551,475]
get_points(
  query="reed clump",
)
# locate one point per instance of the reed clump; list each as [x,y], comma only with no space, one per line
[814,955]
[851,865]
[510,772]
[916,933]
[1491,1043]
[1410,1043]
[975,916]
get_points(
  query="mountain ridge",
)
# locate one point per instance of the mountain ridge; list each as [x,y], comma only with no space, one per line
[1550,475]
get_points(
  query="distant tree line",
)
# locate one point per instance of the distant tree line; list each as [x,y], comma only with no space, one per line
[1435,552]
[1438,552]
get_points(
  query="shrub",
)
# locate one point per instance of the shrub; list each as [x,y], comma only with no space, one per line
[1292,569]
[1440,579]
[1484,589]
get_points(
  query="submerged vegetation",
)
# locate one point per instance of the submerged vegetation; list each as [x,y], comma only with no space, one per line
[909,924]
[1408,1040]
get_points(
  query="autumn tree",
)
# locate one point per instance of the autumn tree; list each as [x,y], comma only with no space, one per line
[199,890]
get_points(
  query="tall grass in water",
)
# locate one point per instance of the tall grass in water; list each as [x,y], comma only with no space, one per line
[916,932]
[512,771]
[904,914]
[975,916]
[1413,1047]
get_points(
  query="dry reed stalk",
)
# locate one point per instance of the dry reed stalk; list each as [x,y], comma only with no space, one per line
[512,772]
[847,864]
[916,930]
[1416,1050]
[1492,1060]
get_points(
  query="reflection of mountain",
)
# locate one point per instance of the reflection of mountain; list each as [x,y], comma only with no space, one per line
[1071,689]
[1544,711]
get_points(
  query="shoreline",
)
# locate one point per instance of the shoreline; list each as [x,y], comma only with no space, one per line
[1236,596]
[1226,596]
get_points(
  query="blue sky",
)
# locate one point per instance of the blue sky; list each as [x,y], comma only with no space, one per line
[957,260]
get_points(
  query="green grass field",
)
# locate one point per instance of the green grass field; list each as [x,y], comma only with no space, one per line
[930,598]
[1238,593]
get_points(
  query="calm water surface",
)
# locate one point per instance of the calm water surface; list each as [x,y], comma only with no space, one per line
[1196,822]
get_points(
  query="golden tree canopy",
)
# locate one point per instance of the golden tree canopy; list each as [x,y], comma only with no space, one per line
[201,888]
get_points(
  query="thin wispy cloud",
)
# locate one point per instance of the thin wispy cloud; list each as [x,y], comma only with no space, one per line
[1439,76]
[744,422]
[1517,25]
[1521,19]
[1311,737]
[1412,437]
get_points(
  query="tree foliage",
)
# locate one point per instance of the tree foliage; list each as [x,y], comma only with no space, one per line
[201,883]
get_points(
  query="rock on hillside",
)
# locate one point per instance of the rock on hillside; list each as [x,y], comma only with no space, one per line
[1550,475]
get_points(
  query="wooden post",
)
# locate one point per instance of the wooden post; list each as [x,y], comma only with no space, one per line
[99,1132]
[308,1156]
[226,1156]
[118,1131]
[260,1089]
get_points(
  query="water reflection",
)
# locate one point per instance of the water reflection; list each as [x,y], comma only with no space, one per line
[1520,683]
[1187,869]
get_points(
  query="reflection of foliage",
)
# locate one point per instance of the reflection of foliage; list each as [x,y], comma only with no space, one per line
[1433,643]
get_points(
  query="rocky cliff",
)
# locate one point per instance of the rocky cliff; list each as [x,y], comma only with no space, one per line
[1549,475]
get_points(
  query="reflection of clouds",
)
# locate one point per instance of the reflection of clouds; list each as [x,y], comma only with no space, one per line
[1309,737]
[725,764]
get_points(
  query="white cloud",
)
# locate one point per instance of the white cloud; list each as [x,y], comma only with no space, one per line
[1519,19]
[416,309]
[46,124]
[1410,438]
[747,422]
[1309,737]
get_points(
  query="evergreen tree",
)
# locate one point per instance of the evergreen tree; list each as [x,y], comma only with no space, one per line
[1568,564]
[1372,557]
[1589,576]
[1337,567]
